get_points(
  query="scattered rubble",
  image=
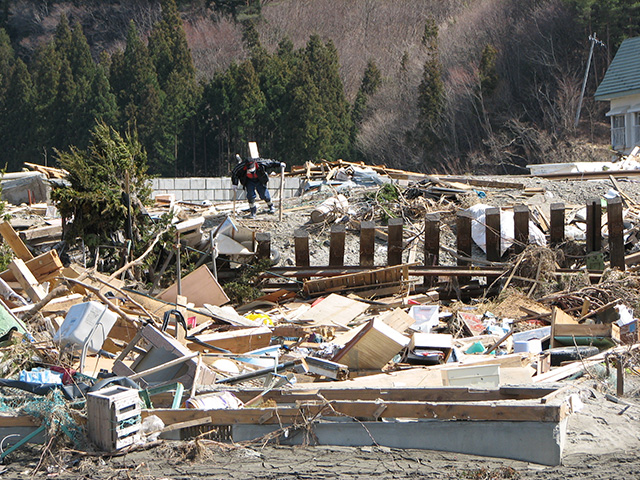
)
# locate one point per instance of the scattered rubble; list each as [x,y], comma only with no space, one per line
[383,302]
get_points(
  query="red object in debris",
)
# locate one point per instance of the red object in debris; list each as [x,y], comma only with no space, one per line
[317,301]
[413,302]
[67,374]
[191,322]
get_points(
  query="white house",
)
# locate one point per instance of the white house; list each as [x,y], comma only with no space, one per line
[621,87]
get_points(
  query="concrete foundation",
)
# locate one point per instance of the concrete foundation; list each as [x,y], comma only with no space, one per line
[535,442]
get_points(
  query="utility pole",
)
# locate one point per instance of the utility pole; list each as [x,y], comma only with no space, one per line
[593,40]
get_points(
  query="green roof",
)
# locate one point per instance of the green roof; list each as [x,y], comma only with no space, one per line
[623,75]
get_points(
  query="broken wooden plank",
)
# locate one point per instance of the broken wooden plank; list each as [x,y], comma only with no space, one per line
[235,341]
[365,410]
[26,279]
[39,234]
[15,242]
[43,267]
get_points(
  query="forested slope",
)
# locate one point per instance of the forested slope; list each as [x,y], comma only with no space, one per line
[429,85]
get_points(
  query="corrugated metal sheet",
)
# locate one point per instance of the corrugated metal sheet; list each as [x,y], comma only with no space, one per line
[623,75]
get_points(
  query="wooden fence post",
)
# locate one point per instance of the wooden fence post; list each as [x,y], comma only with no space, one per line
[431,245]
[556,220]
[463,227]
[520,227]
[616,233]
[263,250]
[301,242]
[394,252]
[336,246]
[594,225]
[367,243]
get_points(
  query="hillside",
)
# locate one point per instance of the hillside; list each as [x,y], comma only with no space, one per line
[455,86]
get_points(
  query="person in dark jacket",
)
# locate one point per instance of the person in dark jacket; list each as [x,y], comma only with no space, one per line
[252,175]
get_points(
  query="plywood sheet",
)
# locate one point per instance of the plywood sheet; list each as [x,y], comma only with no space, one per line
[200,287]
[397,319]
[334,311]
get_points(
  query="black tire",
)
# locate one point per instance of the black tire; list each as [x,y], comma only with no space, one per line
[571,354]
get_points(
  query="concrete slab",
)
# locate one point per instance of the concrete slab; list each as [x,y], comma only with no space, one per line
[535,442]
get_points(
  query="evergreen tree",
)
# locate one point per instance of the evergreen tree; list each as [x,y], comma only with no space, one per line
[430,94]
[168,47]
[46,78]
[371,81]
[318,101]
[612,20]
[488,71]
[63,108]
[139,97]
[7,58]
[97,177]
[16,119]
[172,59]
[102,106]
[248,100]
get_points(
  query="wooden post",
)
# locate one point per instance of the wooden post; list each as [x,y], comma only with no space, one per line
[394,251]
[301,240]
[336,247]
[521,227]
[619,376]
[594,225]
[367,243]
[263,250]
[431,244]
[556,230]
[463,227]
[616,233]
[492,234]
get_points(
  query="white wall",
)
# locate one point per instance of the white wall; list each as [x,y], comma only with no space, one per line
[217,189]
[630,104]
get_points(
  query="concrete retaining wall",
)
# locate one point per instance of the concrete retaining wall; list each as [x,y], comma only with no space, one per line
[217,189]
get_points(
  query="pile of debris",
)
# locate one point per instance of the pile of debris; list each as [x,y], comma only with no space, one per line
[471,334]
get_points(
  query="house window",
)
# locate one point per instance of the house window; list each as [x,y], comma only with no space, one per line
[636,128]
[618,140]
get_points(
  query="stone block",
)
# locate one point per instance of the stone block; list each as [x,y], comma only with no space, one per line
[198,183]
[189,195]
[214,182]
[182,183]
[206,194]
[164,183]
[292,182]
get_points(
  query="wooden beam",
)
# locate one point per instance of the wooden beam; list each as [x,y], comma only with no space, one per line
[594,225]
[556,230]
[394,252]
[521,227]
[301,240]
[492,234]
[616,233]
[336,246]
[263,249]
[431,244]
[366,410]
[367,244]
[26,279]
[398,394]
[15,242]
[463,241]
